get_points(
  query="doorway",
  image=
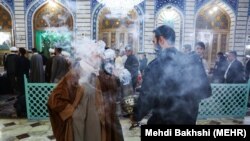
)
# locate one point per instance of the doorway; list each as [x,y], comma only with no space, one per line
[117,32]
[213,28]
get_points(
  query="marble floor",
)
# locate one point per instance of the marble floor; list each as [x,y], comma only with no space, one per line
[21,129]
[16,129]
[25,130]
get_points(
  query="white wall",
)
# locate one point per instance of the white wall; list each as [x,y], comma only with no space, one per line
[241,26]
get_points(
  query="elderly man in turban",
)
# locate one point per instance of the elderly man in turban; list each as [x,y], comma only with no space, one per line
[110,87]
[77,105]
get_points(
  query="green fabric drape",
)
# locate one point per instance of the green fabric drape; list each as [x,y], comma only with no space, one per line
[39,44]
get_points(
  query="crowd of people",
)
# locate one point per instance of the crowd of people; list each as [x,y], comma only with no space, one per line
[83,105]
[227,68]
[36,67]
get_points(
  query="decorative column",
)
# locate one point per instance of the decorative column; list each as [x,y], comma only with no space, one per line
[241,26]
[20,37]
[149,22]
[189,23]
[83,18]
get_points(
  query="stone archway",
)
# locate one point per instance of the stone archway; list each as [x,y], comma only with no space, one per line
[117,32]
[47,24]
[137,34]
[214,25]
[172,17]
[30,14]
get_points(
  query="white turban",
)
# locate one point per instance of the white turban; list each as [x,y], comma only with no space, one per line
[13,49]
[109,54]
[51,50]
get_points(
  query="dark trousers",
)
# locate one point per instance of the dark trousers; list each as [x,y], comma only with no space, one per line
[134,82]
[12,83]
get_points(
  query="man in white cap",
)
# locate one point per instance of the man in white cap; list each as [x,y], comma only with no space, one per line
[49,65]
[36,67]
[10,66]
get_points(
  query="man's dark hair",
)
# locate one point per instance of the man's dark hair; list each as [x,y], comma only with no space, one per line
[234,53]
[34,49]
[201,44]
[220,54]
[22,51]
[188,46]
[59,50]
[128,48]
[165,31]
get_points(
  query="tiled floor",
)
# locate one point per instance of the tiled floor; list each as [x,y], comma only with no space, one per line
[24,130]
[13,129]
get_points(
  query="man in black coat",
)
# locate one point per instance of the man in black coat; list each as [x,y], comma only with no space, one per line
[220,68]
[132,65]
[173,84]
[23,66]
[11,68]
[235,69]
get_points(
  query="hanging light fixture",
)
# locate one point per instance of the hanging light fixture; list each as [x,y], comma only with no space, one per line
[120,7]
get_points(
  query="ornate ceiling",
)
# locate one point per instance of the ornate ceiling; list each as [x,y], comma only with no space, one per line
[48,16]
[5,20]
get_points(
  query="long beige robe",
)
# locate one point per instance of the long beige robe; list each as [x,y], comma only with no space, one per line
[85,117]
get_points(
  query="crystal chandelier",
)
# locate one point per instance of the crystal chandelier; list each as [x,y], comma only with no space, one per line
[120,6]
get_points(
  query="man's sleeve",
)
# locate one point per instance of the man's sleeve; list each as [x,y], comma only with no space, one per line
[59,100]
[198,79]
[146,100]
